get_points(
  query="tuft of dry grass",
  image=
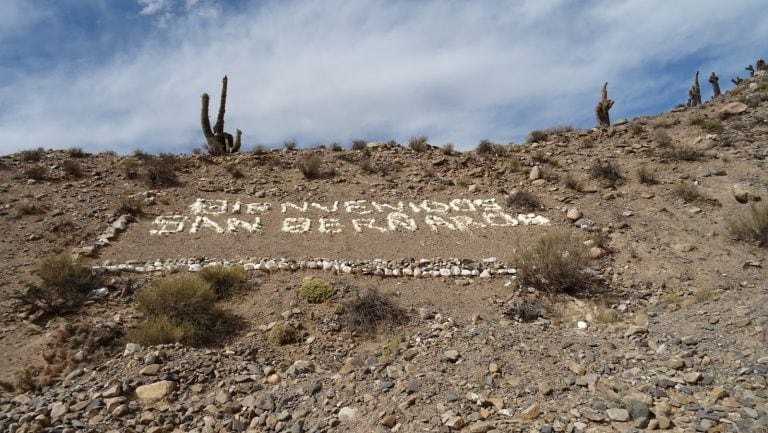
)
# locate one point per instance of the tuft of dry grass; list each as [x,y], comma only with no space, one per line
[72,168]
[64,285]
[448,149]
[76,152]
[223,280]
[160,171]
[571,181]
[681,153]
[34,155]
[687,191]
[419,144]
[711,126]
[235,171]
[311,166]
[662,138]
[605,314]
[751,226]
[359,145]
[27,208]
[35,172]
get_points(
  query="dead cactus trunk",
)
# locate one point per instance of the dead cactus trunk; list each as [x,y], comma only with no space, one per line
[694,94]
[218,142]
[603,106]
[714,80]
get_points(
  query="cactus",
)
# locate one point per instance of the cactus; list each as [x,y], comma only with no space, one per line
[694,94]
[713,79]
[760,65]
[603,106]
[218,142]
[737,80]
[751,70]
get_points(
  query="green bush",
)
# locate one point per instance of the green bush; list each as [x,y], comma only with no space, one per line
[555,263]
[64,285]
[752,226]
[282,334]
[711,126]
[316,290]
[223,280]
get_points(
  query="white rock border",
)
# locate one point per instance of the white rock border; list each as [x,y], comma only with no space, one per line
[420,268]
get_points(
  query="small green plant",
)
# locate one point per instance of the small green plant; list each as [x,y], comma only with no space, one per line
[282,334]
[523,200]
[289,144]
[72,168]
[662,138]
[76,152]
[646,175]
[606,171]
[160,171]
[371,311]
[35,155]
[64,285]
[573,182]
[359,144]
[223,280]
[316,290]
[419,144]
[555,263]
[35,172]
[689,192]
[752,226]
[682,153]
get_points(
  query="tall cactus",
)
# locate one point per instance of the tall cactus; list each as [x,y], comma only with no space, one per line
[218,142]
[714,80]
[603,106]
[694,94]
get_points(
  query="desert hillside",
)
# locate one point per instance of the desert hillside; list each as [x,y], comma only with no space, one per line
[611,279]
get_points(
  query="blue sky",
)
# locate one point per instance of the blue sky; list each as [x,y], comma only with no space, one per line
[127,74]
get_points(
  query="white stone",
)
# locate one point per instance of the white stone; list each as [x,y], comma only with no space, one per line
[347,414]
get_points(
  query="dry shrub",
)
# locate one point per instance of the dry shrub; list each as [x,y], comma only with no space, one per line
[289,144]
[536,136]
[662,138]
[555,263]
[711,126]
[76,152]
[235,171]
[336,147]
[485,147]
[130,206]
[130,168]
[259,149]
[522,199]
[419,144]
[35,172]
[751,226]
[359,145]
[311,166]
[573,182]
[646,176]
[524,309]
[689,192]
[515,165]
[448,149]
[682,153]
[34,155]
[282,334]
[316,290]
[223,280]
[371,311]
[64,285]
[162,330]
[160,171]
[606,171]
[27,208]
[177,304]
[72,169]
[605,314]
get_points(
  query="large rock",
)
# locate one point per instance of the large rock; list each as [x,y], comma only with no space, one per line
[744,194]
[347,414]
[155,391]
[732,109]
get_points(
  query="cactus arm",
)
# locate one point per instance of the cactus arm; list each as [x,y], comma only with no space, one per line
[205,123]
[238,135]
[218,128]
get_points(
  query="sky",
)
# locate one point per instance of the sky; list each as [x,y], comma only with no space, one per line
[128,74]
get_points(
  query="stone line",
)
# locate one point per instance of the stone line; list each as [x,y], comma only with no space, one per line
[422,268]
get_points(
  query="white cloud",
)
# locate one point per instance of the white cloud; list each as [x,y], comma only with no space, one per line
[152,7]
[337,70]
